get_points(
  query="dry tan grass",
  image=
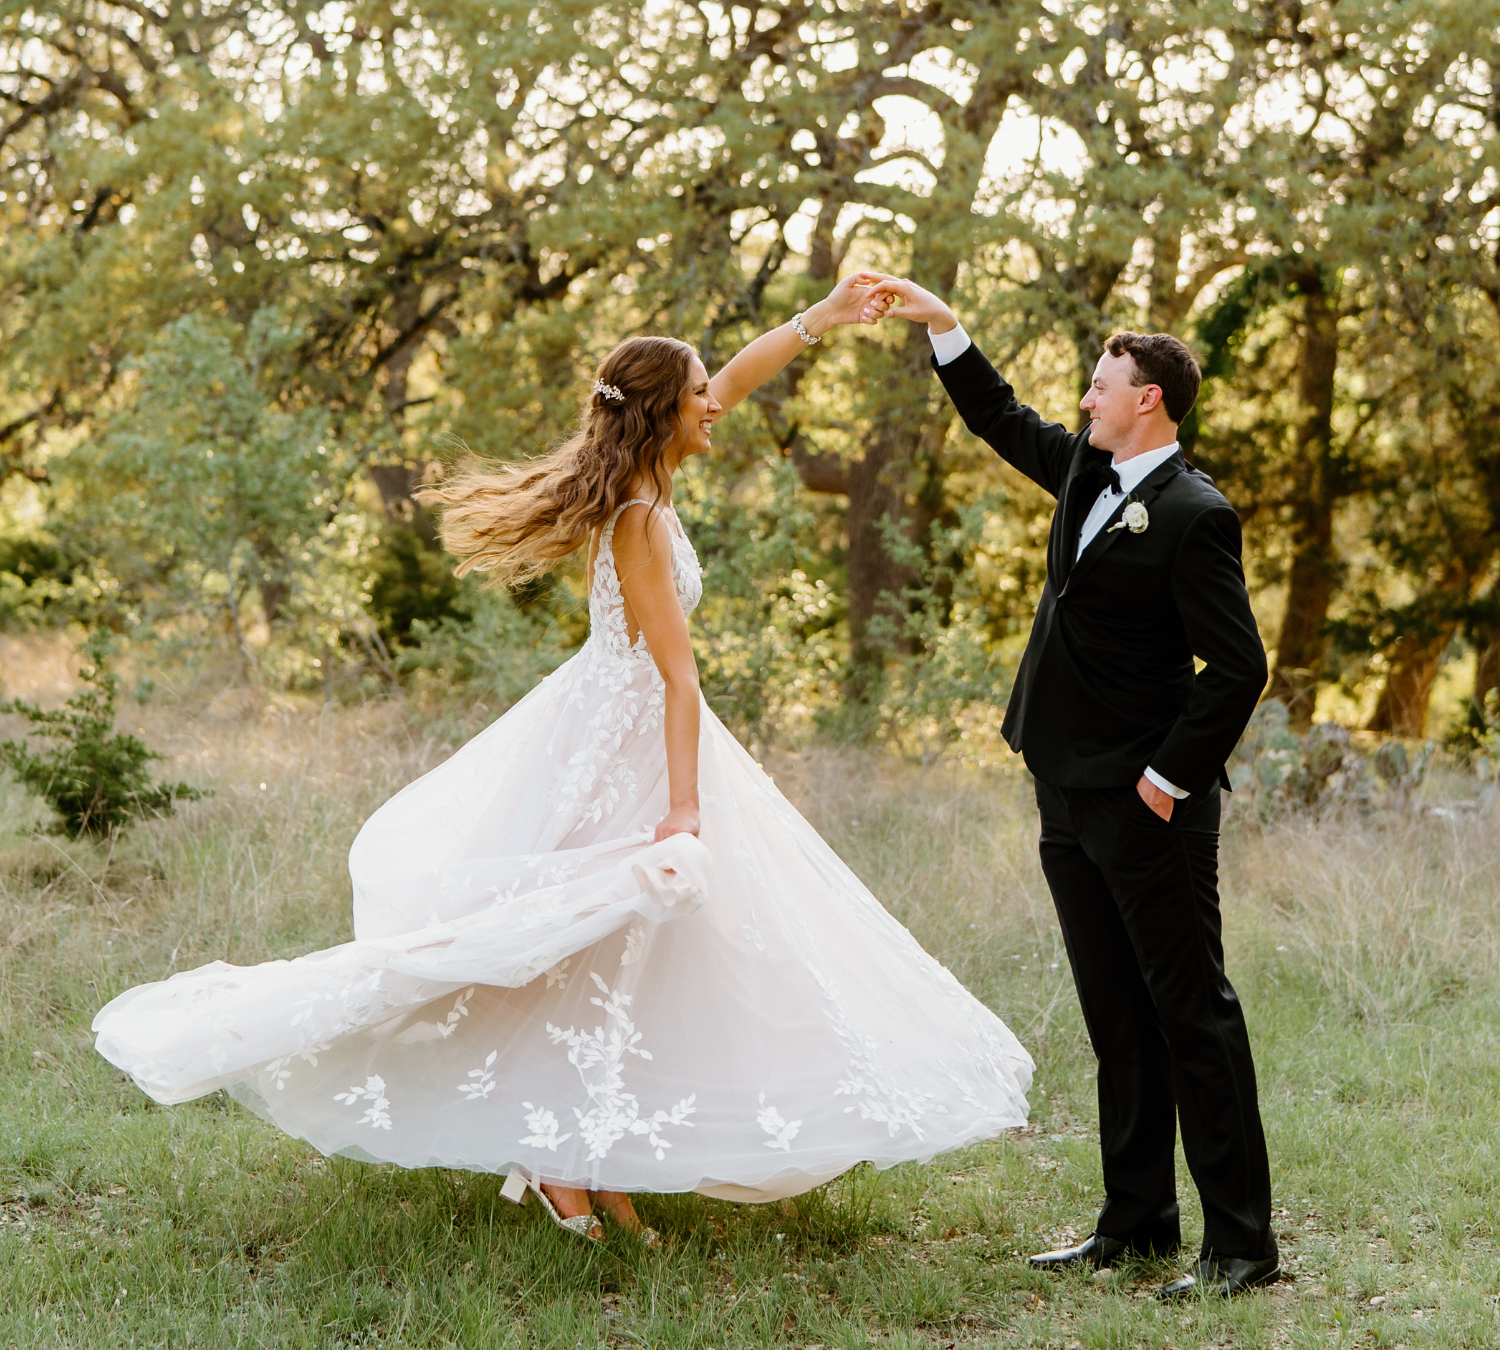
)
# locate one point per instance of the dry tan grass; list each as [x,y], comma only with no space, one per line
[1394,907]
[253,872]
[39,666]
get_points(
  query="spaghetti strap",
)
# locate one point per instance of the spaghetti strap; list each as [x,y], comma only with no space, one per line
[666,507]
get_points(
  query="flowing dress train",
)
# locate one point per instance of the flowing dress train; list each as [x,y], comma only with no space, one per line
[534,984]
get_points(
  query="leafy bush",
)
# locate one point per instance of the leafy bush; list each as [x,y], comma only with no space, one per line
[411,581]
[477,662]
[1482,749]
[93,777]
[34,579]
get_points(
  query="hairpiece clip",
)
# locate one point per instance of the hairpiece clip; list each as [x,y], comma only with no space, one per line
[609,391]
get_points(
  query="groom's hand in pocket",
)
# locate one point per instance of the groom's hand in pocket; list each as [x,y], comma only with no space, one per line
[1160,802]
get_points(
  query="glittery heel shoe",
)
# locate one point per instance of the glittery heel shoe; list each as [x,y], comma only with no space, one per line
[582,1225]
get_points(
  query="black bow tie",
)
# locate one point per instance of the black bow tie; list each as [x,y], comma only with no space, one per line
[1104,475]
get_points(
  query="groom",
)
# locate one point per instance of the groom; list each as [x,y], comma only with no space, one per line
[1127,745]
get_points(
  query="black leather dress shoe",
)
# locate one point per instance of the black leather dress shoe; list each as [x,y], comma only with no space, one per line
[1221,1276]
[1096,1250]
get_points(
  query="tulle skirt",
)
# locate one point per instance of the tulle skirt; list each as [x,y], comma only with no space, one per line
[533,984]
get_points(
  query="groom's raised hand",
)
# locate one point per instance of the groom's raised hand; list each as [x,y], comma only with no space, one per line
[907,300]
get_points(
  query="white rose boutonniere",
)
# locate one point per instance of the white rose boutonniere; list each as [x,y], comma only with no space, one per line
[1134,519]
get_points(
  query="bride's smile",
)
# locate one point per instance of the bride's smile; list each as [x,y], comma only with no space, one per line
[697,415]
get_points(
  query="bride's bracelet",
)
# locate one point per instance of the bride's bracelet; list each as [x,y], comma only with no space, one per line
[802,332]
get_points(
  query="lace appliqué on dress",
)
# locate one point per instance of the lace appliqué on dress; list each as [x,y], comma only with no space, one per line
[599,1058]
[781,1130]
[378,1115]
[877,1095]
[599,773]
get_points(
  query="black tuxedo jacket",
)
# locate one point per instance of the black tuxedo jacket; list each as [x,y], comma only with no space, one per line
[1107,685]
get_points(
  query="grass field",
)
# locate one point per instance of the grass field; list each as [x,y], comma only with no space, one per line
[1365,950]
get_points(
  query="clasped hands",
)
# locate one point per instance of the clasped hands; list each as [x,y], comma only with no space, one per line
[866,298]
[885,294]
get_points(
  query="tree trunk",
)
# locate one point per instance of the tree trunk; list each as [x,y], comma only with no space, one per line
[1089,287]
[1402,709]
[1162,304]
[274,580]
[819,473]
[274,593]
[1314,570]
[878,482]
[397,482]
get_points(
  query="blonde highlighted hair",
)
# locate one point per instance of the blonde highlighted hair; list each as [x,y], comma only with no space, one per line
[516,521]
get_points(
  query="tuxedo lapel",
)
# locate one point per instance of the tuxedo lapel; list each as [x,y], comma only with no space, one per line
[1105,540]
[1079,495]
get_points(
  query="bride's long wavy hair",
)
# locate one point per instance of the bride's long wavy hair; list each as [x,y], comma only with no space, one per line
[516,521]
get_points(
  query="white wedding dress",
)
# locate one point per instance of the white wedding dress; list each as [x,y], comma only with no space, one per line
[534,985]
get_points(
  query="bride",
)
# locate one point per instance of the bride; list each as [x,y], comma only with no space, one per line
[596,948]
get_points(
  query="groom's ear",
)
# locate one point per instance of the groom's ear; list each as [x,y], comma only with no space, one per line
[1149,398]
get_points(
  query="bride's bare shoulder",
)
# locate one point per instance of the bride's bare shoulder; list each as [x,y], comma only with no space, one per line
[642,533]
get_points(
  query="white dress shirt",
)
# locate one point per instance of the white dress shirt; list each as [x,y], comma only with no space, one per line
[954,343]
[1131,472]
[949,346]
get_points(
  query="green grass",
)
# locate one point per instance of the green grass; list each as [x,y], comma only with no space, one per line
[1364,948]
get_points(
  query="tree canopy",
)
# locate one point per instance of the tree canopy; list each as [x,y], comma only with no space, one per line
[265,263]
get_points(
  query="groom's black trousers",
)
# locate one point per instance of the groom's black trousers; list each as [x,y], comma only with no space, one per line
[1138,901]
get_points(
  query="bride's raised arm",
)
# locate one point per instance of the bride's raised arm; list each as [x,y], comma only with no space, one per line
[772,352]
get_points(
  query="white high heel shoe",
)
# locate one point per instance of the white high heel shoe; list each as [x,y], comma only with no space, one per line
[583,1225]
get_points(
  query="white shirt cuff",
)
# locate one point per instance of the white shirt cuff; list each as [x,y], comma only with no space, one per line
[1171,789]
[949,346]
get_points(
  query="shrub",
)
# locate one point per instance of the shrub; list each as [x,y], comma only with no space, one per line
[1487,740]
[411,582]
[95,778]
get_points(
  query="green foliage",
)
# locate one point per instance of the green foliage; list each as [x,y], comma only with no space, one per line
[411,581]
[203,494]
[95,778]
[34,579]
[1489,739]
[768,632]
[488,653]
[945,688]
[1477,718]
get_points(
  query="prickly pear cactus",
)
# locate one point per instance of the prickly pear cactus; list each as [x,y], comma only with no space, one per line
[1278,771]
[1267,763]
[1400,770]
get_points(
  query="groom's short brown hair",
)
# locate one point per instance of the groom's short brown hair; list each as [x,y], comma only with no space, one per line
[1162,360]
